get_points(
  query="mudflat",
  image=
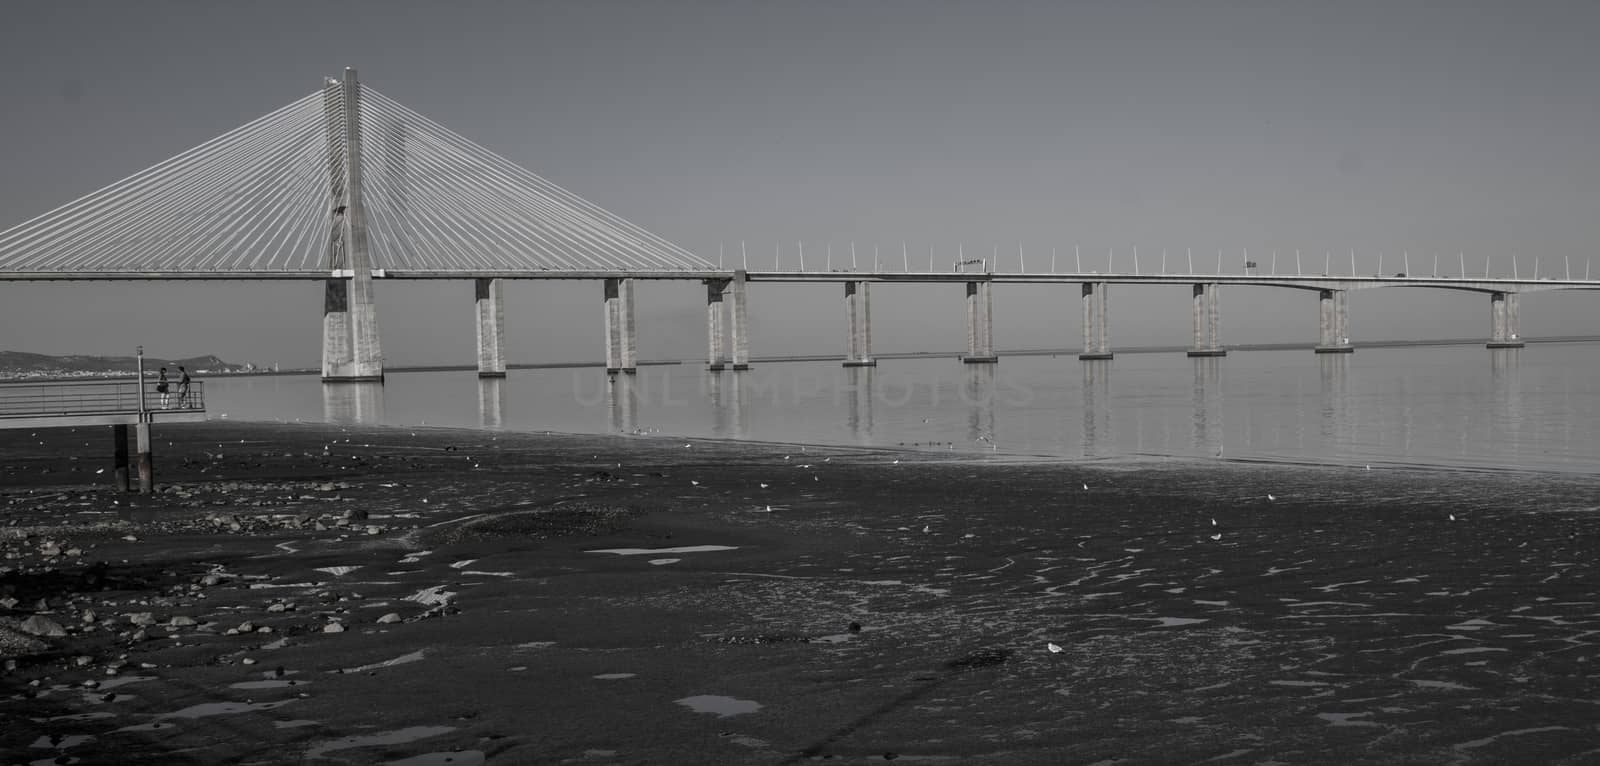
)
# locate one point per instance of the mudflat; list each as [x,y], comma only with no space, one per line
[329,594]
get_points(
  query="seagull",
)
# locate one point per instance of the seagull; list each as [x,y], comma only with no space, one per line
[1086,485]
[1270,497]
[763,486]
[1217,536]
[695,483]
[1213,522]
[1054,648]
[1452,517]
[897,461]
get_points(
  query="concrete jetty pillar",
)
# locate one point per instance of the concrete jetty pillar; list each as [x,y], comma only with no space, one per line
[351,350]
[146,462]
[1096,322]
[119,456]
[715,333]
[1207,321]
[1503,313]
[980,323]
[1333,323]
[620,326]
[738,317]
[490,295]
[858,311]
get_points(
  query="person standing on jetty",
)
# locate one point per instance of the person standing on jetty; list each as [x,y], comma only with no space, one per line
[183,388]
[161,387]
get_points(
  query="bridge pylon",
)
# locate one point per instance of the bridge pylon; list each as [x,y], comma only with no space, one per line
[351,351]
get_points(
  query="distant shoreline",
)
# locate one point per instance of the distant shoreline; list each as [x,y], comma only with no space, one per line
[780,359]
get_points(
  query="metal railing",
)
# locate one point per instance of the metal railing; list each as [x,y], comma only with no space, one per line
[100,397]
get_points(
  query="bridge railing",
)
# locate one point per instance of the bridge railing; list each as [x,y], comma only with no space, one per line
[100,397]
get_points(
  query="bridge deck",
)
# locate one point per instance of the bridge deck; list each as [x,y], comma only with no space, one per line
[95,403]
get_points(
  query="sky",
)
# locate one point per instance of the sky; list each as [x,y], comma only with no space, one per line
[1415,128]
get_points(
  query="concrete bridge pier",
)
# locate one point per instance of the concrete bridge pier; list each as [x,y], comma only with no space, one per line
[980,323]
[620,338]
[1333,323]
[715,334]
[1096,323]
[1207,321]
[858,309]
[351,351]
[1503,310]
[491,328]
[738,316]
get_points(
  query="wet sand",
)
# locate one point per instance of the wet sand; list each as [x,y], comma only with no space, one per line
[322,594]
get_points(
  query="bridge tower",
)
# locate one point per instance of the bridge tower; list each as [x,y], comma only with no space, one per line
[351,351]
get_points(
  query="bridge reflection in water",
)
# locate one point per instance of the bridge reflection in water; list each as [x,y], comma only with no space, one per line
[492,402]
[353,403]
[1392,405]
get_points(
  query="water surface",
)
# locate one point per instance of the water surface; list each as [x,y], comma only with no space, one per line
[1460,406]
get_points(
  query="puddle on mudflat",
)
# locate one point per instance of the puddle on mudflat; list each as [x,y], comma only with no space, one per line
[409,734]
[276,683]
[722,706]
[71,740]
[836,638]
[152,726]
[338,571]
[1172,622]
[112,683]
[462,758]
[207,709]
[82,716]
[295,724]
[434,595]
[1347,719]
[679,549]
[415,656]
[615,676]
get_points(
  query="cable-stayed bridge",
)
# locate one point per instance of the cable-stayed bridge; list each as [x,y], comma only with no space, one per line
[348,186]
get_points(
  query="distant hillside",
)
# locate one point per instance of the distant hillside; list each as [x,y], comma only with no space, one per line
[20,364]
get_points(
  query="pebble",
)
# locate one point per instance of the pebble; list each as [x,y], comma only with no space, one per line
[333,627]
[40,625]
[142,619]
[389,618]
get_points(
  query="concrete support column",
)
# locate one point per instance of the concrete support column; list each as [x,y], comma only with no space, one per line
[1207,321]
[1096,322]
[858,312]
[351,350]
[147,465]
[630,334]
[715,333]
[619,326]
[738,316]
[980,323]
[490,294]
[1503,315]
[1333,323]
[119,456]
